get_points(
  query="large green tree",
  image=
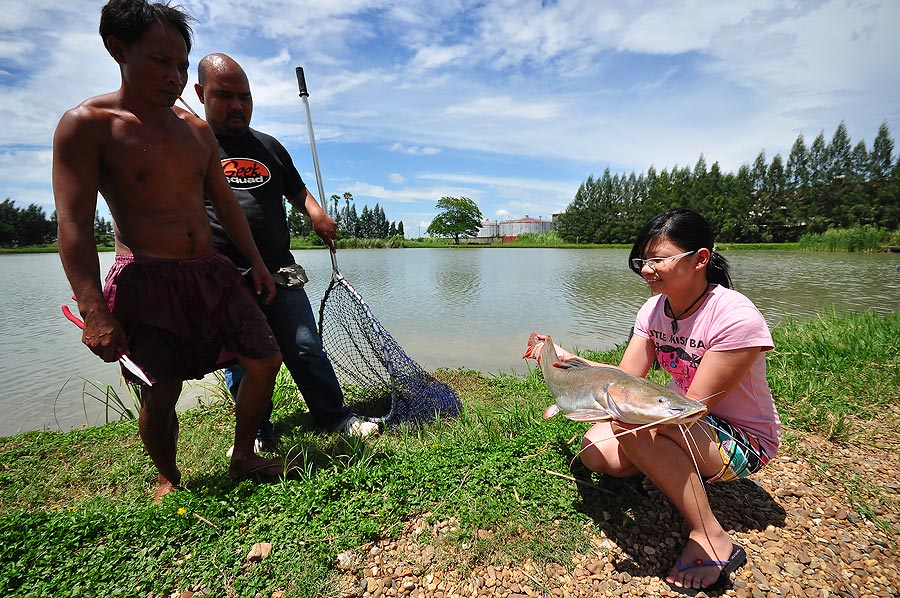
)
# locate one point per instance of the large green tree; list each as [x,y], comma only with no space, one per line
[459,217]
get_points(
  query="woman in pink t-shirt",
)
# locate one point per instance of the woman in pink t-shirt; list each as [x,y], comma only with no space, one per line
[712,340]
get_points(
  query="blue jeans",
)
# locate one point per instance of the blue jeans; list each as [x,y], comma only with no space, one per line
[291,319]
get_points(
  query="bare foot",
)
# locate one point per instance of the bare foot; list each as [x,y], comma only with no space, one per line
[700,549]
[243,466]
[164,487]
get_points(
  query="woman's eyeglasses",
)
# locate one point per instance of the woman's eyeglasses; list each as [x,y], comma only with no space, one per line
[655,262]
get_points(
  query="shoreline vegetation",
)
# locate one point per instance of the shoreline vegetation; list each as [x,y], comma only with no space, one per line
[493,502]
[865,239]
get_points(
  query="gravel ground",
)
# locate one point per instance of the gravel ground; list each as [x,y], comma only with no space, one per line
[824,527]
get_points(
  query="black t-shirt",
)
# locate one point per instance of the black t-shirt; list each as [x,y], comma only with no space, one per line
[261,174]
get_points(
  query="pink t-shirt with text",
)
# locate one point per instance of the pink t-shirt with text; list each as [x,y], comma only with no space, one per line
[726,320]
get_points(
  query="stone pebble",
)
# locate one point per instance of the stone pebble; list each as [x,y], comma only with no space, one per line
[809,531]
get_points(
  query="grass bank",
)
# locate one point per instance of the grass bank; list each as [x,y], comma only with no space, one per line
[865,238]
[76,516]
[857,239]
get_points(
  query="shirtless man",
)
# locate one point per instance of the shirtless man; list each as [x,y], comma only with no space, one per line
[170,301]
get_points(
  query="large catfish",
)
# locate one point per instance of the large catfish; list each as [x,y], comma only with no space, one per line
[588,392]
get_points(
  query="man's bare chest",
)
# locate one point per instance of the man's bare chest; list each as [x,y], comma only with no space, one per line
[144,156]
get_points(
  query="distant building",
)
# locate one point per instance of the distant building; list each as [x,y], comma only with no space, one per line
[509,230]
[514,228]
[489,229]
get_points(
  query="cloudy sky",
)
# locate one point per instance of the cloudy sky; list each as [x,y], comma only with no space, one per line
[512,103]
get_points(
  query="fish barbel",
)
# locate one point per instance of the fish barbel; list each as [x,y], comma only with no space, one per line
[588,392]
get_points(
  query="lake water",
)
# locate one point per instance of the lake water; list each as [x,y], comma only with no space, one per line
[446,307]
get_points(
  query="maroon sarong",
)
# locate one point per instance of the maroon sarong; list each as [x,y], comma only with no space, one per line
[185,318]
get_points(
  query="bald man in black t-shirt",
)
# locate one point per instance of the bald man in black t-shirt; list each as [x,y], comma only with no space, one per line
[262,174]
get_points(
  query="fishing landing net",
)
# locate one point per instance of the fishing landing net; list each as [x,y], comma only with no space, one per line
[380,381]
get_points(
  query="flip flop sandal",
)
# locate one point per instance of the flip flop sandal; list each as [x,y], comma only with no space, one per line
[738,558]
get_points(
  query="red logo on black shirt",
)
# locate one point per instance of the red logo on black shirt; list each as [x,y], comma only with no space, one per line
[245,173]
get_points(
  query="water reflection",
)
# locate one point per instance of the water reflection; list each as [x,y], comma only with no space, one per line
[457,279]
[803,284]
[447,308]
[603,296]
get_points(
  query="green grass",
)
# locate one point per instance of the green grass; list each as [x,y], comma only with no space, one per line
[49,248]
[757,246]
[30,249]
[76,515]
[864,238]
[831,372]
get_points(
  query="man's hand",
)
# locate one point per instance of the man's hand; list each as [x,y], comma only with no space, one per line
[263,283]
[327,230]
[322,223]
[104,336]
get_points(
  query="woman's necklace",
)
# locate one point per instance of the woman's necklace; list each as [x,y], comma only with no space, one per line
[689,308]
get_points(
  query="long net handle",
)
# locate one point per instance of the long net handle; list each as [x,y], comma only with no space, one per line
[304,95]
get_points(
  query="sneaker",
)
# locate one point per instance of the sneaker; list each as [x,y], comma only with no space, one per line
[356,426]
[257,447]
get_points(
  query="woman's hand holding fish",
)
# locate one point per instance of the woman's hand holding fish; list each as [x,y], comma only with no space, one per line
[563,354]
[560,352]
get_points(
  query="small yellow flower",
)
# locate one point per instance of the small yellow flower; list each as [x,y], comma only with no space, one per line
[181,510]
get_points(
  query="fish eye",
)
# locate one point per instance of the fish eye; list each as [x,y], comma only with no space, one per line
[661,400]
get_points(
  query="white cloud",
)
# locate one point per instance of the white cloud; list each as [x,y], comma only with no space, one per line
[496,181]
[510,102]
[437,56]
[25,167]
[678,27]
[363,192]
[15,50]
[413,150]
[507,108]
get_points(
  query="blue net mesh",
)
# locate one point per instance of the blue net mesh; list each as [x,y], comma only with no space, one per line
[380,381]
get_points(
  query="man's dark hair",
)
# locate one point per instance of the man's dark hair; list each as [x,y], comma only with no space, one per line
[129,20]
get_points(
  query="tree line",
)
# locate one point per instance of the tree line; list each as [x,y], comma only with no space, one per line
[822,186]
[21,227]
[367,224]
[27,227]
[30,226]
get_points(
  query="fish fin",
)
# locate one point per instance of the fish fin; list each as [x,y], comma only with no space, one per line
[573,364]
[551,411]
[588,415]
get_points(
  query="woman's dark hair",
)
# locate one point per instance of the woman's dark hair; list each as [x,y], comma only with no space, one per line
[129,20]
[688,230]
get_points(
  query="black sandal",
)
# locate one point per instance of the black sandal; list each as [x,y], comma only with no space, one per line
[738,558]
